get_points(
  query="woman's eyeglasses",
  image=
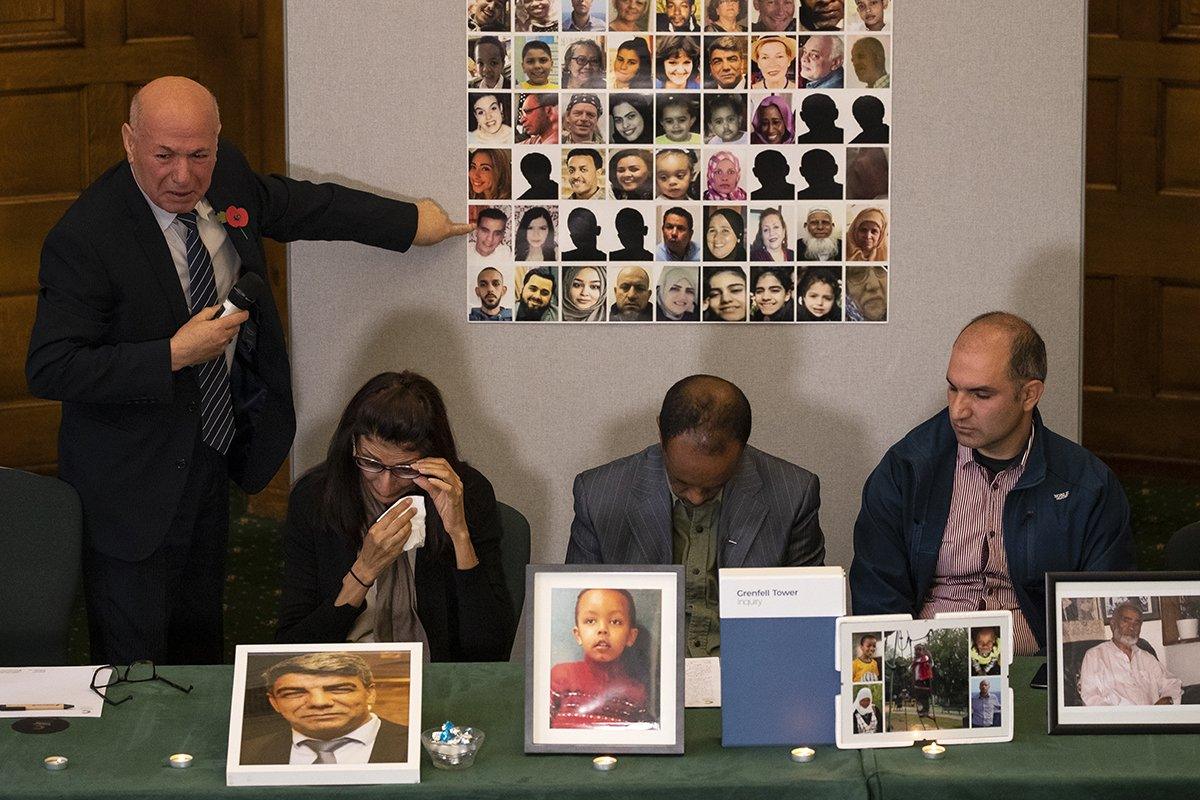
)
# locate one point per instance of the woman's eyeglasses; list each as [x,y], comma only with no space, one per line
[137,672]
[373,467]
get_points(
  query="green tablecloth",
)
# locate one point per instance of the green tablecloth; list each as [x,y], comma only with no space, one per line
[122,755]
[1036,765]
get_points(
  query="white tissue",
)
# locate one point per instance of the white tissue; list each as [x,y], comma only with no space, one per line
[417,537]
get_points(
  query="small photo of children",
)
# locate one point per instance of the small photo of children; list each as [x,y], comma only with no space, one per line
[868,662]
[488,62]
[985,651]
[678,119]
[819,294]
[605,653]
[536,60]
[867,710]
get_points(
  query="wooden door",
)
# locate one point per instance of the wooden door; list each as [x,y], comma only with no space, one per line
[68,69]
[1141,363]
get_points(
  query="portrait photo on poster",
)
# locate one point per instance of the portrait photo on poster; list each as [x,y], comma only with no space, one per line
[333,714]
[1123,652]
[676,293]
[491,295]
[604,659]
[489,62]
[630,293]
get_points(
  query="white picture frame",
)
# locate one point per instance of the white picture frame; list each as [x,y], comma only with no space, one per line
[941,708]
[262,743]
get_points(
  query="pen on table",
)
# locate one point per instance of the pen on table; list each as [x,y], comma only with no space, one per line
[38,707]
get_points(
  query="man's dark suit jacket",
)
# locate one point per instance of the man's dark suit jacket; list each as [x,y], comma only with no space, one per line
[109,303]
[768,514]
[391,746]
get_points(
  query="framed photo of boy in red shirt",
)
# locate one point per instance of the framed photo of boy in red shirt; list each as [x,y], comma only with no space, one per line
[604,659]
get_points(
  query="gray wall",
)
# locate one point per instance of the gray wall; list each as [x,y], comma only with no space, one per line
[987,214]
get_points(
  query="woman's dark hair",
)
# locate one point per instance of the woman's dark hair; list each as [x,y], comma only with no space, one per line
[818,275]
[758,238]
[712,9]
[399,407]
[647,188]
[738,224]
[503,99]
[644,78]
[640,103]
[673,45]
[521,249]
[782,274]
[715,102]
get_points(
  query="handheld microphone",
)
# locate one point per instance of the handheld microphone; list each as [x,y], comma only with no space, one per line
[243,295]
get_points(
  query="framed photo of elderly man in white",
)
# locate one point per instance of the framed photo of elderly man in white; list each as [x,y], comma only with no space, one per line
[325,714]
[1123,652]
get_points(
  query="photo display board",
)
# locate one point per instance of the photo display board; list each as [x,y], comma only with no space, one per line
[679,160]
[906,680]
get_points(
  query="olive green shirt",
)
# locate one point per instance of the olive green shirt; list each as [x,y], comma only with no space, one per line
[694,545]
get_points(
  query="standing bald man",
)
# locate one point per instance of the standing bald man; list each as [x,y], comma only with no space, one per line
[162,404]
[973,507]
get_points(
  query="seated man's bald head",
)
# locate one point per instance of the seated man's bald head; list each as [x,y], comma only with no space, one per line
[712,411]
[1027,351]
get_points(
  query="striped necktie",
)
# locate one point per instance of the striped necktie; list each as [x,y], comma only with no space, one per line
[216,404]
[326,750]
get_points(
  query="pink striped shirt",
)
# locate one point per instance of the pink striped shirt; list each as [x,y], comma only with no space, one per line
[972,568]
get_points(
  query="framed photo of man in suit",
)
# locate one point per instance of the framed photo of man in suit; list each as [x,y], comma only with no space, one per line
[325,714]
[604,659]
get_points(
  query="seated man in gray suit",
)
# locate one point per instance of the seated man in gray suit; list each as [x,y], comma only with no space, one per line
[702,498]
[326,699]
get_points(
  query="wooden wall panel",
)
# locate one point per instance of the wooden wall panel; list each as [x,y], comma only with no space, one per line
[41,23]
[1103,115]
[1179,356]
[16,320]
[1099,332]
[1179,113]
[1141,393]
[1182,20]
[23,226]
[1103,17]
[43,150]
[152,19]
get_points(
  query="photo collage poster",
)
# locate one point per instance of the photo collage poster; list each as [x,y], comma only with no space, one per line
[679,160]
[944,679]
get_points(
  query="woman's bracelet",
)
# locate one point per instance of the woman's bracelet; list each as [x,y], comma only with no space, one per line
[360,581]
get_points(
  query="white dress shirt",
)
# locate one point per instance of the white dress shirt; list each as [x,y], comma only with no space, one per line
[1108,677]
[357,751]
[227,264]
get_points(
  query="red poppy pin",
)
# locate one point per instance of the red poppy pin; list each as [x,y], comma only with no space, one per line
[234,217]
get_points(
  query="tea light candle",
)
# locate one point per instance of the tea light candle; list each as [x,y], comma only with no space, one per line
[180,760]
[803,754]
[934,751]
[54,763]
[604,763]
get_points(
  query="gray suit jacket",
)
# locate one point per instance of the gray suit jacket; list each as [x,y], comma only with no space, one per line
[768,514]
